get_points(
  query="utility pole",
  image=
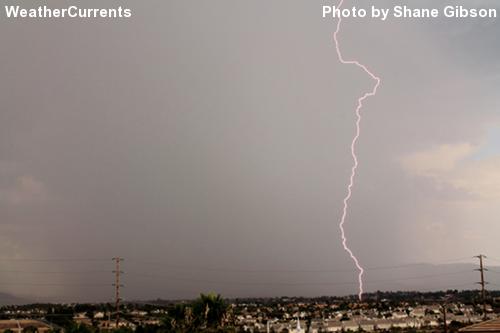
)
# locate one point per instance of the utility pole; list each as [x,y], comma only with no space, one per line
[444,307]
[482,283]
[117,286]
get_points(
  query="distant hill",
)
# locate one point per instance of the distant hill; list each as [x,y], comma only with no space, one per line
[9,299]
[342,282]
[428,277]
[406,277]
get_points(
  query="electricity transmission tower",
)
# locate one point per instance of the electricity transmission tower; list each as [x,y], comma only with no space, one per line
[483,283]
[117,286]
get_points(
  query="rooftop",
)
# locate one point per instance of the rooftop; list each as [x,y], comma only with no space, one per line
[486,326]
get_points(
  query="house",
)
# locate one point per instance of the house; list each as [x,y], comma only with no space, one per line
[298,327]
[99,315]
[405,323]
[434,309]
[350,325]
[399,315]
[317,326]
[367,325]
[333,326]
[383,324]
[138,313]
[430,321]
[459,318]
[418,312]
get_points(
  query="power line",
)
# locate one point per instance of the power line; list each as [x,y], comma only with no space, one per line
[224,282]
[54,284]
[226,269]
[239,283]
[232,270]
[497,260]
[449,286]
[118,273]
[455,259]
[53,272]
[53,259]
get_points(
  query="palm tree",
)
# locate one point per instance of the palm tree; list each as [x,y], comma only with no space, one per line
[210,310]
[206,313]
[178,318]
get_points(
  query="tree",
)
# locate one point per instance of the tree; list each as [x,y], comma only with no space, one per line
[60,316]
[79,328]
[178,319]
[207,313]
[210,311]
[151,329]
[123,330]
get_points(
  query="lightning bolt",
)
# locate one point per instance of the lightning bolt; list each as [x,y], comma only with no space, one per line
[373,92]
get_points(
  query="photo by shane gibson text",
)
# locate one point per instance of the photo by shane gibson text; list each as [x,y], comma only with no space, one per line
[461,12]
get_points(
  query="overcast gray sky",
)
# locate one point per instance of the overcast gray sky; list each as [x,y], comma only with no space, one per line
[216,135]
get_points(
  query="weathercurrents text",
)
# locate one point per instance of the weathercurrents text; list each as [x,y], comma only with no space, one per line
[72,12]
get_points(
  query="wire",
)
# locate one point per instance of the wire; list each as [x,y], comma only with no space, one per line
[449,286]
[225,269]
[237,283]
[490,258]
[213,269]
[231,270]
[169,277]
[53,284]
[236,270]
[49,272]
[51,259]
[455,260]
